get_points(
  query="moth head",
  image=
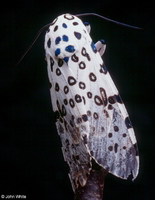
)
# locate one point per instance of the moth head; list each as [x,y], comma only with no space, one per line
[65,36]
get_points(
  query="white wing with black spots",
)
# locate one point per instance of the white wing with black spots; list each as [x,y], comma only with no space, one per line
[91,118]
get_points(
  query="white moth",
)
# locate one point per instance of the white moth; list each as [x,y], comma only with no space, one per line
[91,118]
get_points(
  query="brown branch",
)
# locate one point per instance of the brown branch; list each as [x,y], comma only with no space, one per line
[93,190]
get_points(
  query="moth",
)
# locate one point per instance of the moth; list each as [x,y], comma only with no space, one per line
[91,119]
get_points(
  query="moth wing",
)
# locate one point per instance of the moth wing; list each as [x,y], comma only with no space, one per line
[70,124]
[112,142]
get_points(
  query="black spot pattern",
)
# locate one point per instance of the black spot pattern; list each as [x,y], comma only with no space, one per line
[58,72]
[115,147]
[110,107]
[115,98]
[60,62]
[88,113]
[85,118]
[65,101]
[84,100]
[79,120]
[88,57]
[51,63]
[84,53]
[128,123]
[49,43]
[110,135]
[124,135]
[82,85]
[103,69]
[55,28]
[75,23]
[82,65]
[71,103]
[95,115]
[116,129]
[110,148]
[77,35]
[89,95]
[63,111]
[112,99]
[77,157]
[57,88]
[74,58]
[92,77]
[78,98]
[98,101]
[66,89]
[71,80]
[104,96]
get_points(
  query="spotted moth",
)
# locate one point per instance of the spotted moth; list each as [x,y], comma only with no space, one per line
[91,118]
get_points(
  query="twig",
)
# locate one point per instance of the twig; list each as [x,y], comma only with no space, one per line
[93,190]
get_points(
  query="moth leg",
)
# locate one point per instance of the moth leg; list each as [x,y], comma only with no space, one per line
[101,46]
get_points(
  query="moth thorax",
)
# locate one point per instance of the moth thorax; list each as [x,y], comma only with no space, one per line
[65,51]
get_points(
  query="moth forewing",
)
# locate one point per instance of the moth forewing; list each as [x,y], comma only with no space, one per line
[91,118]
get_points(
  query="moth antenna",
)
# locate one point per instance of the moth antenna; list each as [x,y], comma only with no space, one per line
[34,41]
[107,19]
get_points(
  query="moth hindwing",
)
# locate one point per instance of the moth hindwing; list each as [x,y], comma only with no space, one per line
[91,118]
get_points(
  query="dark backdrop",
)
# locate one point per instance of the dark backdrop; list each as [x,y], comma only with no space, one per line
[31,160]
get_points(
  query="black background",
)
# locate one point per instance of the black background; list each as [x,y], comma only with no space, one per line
[31,160]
